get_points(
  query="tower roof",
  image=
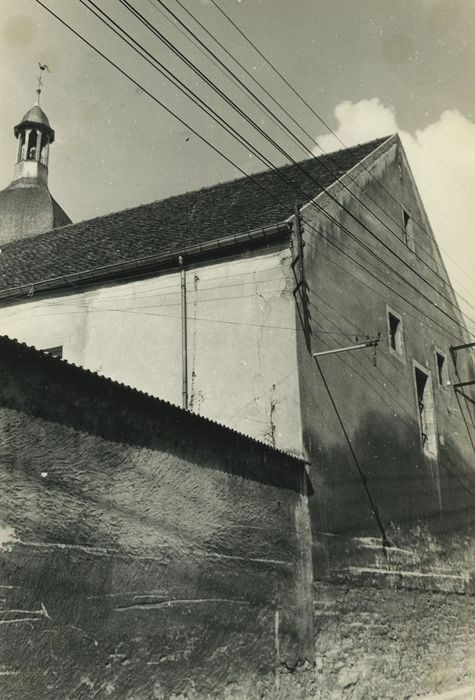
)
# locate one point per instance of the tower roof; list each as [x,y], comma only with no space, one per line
[33,118]
[26,205]
[27,208]
[36,114]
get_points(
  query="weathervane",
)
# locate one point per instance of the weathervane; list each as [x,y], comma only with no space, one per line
[43,67]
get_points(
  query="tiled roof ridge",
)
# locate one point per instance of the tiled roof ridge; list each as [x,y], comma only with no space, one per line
[209,188]
[143,394]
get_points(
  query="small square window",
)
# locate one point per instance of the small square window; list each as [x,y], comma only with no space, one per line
[408,229]
[442,373]
[426,412]
[395,333]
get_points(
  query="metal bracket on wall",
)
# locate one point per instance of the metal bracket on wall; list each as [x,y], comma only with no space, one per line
[465,346]
[454,349]
[369,343]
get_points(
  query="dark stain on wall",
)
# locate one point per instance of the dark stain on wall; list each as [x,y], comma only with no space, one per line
[350,291]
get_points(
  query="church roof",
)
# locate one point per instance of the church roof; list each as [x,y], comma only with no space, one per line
[173,224]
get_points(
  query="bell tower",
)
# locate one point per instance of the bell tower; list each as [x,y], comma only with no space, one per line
[26,205]
[34,136]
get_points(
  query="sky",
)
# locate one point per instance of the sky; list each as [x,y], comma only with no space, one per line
[367,67]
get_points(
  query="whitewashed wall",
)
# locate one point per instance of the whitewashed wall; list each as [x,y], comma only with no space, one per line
[242,364]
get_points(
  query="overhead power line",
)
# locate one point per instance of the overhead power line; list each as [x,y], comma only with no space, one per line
[215,63]
[135,82]
[362,476]
[315,113]
[210,55]
[433,322]
[267,162]
[262,132]
[154,98]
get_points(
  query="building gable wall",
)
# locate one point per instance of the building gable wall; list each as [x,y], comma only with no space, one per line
[381,469]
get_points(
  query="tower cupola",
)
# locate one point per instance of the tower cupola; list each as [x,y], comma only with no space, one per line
[26,205]
[34,135]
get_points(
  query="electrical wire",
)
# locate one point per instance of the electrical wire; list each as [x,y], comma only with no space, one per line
[378,278]
[362,476]
[259,155]
[181,120]
[315,113]
[305,194]
[221,70]
[272,141]
[268,112]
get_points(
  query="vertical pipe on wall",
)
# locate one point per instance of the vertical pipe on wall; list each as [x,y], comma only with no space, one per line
[301,287]
[184,343]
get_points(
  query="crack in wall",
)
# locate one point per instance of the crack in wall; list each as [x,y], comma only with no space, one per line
[266,307]
[269,435]
[177,601]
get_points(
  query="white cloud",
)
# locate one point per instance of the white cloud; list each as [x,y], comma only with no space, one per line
[359,122]
[442,158]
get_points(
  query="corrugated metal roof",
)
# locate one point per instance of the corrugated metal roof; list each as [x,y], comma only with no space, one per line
[23,352]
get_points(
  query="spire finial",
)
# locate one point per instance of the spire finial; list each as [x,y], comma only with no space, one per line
[43,67]
[38,89]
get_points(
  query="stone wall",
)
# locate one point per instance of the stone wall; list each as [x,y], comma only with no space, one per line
[374,642]
[145,552]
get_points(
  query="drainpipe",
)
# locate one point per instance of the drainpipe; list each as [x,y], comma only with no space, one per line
[184,344]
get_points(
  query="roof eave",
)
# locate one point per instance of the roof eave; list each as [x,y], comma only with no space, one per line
[34,125]
[151,263]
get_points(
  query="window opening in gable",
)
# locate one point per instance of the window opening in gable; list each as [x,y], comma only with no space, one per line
[442,374]
[408,229]
[426,413]
[396,340]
